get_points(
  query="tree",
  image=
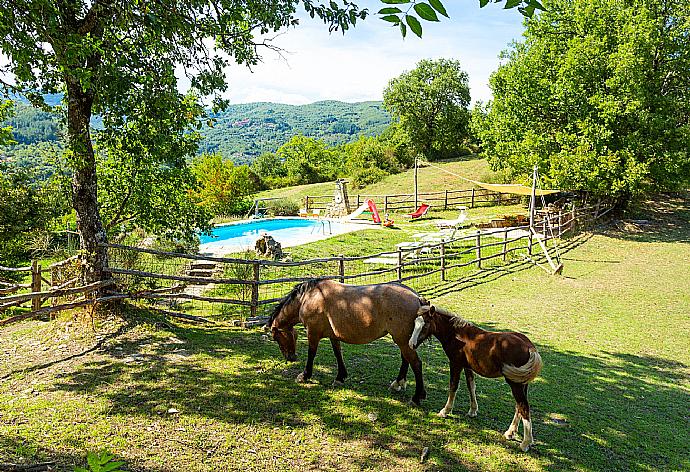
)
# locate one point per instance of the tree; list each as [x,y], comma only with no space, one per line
[431,103]
[117,59]
[223,188]
[598,96]
[309,160]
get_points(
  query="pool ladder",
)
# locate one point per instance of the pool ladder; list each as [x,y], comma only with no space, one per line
[323,227]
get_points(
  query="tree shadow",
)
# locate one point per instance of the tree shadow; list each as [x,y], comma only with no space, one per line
[664,219]
[588,410]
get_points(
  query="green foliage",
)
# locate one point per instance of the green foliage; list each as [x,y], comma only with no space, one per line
[308,160]
[101,462]
[431,103]
[369,160]
[282,207]
[597,97]
[245,131]
[6,110]
[223,188]
[268,165]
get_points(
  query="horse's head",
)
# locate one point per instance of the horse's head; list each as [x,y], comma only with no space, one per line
[422,325]
[283,321]
[287,341]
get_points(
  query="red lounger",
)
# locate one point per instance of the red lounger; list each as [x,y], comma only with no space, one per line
[421,211]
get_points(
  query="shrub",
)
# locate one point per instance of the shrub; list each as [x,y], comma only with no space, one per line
[282,207]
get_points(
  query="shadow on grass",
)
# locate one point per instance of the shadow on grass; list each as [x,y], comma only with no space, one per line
[664,219]
[615,411]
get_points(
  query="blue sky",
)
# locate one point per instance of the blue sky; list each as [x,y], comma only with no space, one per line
[317,65]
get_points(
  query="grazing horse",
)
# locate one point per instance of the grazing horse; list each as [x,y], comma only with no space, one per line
[352,314]
[468,347]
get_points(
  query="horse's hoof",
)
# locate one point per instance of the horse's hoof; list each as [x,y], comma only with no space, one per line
[524,447]
[414,403]
[398,385]
[509,435]
[300,378]
[443,413]
[338,383]
[472,413]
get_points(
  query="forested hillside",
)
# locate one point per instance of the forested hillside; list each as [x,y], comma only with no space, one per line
[241,132]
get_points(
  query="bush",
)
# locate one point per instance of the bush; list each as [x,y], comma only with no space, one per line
[366,176]
[282,207]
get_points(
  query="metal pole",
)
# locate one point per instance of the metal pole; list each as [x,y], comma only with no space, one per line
[416,204]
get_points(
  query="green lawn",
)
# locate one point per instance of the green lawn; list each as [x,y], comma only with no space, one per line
[613,395]
[429,180]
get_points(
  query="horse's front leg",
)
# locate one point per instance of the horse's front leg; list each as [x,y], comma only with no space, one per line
[415,362]
[471,387]
[342,371]
[400,383]
[311,353]
[455,371]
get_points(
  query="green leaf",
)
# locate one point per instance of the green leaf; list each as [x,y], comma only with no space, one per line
[536,5]
[389,11]
[438,6]
[425,11]
[394,2]
[512,4]
[483,3]
[392,18]
[403,29]
[414,25]
[111,466]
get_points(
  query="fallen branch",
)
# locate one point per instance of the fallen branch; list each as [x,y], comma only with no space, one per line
[39,467]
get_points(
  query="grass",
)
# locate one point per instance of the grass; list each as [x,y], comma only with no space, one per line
[613,394]
[429,180]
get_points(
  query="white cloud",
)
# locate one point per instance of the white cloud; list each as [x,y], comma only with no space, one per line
[357,66]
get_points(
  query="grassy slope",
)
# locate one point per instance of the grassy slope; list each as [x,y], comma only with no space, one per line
[614,392]
[430,180]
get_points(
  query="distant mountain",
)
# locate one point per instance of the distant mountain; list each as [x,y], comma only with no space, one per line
[244,131]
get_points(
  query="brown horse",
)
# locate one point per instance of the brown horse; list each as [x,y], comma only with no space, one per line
[468,347]
[352,314]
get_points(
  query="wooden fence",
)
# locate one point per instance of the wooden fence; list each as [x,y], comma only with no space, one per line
[443,200]
[64,288]
[195,287]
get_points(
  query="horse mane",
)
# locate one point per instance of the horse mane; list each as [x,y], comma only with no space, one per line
[297,291]
[456,320]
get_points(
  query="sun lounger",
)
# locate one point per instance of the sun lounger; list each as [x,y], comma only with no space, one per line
[420,212]
[457,223]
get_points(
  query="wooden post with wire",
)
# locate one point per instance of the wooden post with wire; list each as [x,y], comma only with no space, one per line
[400,261]
[385,204]
[443,261]
[472,203]
[445,201]
[341,268]
[505,244]
[255,289]
[479,249]
[532,203]
[36,284]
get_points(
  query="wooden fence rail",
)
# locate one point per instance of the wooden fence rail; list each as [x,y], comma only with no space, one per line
[261,287]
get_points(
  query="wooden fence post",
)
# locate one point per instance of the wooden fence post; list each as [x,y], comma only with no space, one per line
[358,201]
[505,244]
[35,284]
[385,204]
[400,261]
[472,204]
[306,203]
[573,222]
[479,249]
[341,268]
[443,261]
[498,198]
[560,223]
[255,289]
[445,201]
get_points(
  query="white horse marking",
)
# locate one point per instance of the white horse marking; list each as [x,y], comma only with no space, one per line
[512,429]
[418,325]
[527,439]
[398,385]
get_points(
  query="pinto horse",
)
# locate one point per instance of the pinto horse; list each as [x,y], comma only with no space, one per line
[468,347]
[352,314]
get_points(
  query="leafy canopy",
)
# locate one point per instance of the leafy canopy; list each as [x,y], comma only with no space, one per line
[598,96]
[431,103]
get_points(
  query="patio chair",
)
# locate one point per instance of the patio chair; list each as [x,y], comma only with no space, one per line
[456,223]
[420,212]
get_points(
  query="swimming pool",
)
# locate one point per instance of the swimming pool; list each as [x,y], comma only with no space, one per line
[288,232]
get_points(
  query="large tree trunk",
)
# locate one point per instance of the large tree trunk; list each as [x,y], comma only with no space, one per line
[84,183]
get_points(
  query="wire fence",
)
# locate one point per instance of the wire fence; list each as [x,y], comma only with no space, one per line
[245,288]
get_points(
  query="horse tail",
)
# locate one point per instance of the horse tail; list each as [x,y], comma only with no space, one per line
[525,373]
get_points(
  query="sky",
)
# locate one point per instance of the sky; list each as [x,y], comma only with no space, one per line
[356,67]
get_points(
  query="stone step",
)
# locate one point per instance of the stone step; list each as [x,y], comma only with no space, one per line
[203,265]
[200,273]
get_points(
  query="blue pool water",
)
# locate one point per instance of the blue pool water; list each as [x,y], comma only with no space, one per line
[287,231]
